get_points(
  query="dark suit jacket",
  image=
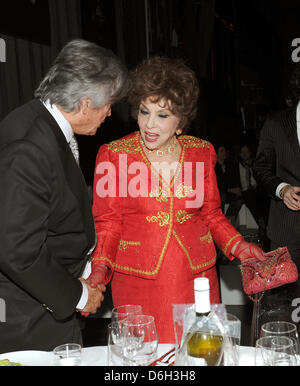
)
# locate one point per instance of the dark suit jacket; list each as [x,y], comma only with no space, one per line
[277,161]
[46,231]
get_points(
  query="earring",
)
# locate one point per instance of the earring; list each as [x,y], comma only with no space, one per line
[178,132]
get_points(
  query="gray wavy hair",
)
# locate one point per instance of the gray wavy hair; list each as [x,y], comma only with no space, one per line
[84,69]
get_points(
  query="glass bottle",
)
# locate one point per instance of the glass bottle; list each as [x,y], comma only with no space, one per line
[204,341]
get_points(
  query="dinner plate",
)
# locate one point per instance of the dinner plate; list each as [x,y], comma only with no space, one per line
[29,358]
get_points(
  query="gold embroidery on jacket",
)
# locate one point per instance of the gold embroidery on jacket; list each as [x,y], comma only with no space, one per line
[160,195]
[227,245]
[125,145]
[189,141]
[169,233]
[162,218]
[124,244]
[132,145]
[102,258]
[207,238]
[183,191]
[182,216]
[194,267]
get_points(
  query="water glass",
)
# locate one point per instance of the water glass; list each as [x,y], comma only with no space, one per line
[68,354]
[140,340]
[281,328]
[114,344]
[284,351]
[275,351]
[263,352]
[232,331]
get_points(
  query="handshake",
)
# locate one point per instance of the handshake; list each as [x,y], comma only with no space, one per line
[96,288]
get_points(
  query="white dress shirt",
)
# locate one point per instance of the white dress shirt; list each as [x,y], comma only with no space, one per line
[245,183]
[68,133]
[280,186]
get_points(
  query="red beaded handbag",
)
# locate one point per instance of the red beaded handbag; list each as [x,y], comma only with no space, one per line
[277,270]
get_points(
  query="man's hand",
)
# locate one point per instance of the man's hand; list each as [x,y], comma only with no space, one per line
[290,197]
[95,298]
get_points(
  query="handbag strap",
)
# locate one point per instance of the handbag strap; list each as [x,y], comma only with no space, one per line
[254,300]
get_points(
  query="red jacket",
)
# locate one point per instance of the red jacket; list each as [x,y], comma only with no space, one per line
[134,232]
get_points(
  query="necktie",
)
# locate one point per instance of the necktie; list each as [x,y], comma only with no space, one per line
[74,147]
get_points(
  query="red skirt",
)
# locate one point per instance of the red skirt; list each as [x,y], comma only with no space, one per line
[174,285]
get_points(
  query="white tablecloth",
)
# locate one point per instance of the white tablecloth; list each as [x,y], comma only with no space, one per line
[97,356]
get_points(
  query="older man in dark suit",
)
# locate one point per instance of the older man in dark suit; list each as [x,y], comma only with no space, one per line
[46,229]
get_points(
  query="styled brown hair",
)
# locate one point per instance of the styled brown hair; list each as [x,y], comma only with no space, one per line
[167,80]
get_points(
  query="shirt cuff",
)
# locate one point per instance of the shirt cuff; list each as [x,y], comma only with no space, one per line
[279,187]
[84,297]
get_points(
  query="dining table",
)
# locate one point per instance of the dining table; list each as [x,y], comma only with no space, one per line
[98,356]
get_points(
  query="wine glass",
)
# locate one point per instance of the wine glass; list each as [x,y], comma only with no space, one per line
[120,313]
[140,340]
[115,339]
[281,328]
[275,351]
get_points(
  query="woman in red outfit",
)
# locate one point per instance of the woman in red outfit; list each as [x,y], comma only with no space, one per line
[156,201]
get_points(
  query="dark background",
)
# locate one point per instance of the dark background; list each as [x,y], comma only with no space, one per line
[241,51]
[28,19]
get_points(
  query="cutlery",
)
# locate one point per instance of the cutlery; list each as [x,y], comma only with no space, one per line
[166,357]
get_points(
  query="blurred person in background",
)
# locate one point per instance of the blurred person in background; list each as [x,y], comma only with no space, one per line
[242,184]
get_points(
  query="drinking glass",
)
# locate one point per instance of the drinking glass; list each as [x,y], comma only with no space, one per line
[281,328]
[284,351]
[68,354]
[140,340]
[115,339]
[275,351]
[114,344]
[122,312]
[263,352]
[232,330]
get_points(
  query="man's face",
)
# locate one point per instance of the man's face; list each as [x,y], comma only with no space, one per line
[245,153]
[88,119]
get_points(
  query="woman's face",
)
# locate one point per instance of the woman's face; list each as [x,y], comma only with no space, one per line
[157,124]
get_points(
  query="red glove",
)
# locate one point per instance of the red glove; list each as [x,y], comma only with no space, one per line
[244,250]
[98,275]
